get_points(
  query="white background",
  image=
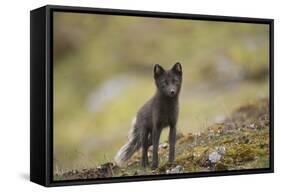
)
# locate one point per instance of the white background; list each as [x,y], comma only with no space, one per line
[14,94]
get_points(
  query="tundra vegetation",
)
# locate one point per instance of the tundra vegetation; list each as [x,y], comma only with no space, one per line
[103,73]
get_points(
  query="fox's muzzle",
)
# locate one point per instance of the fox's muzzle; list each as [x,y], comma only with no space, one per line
[172,92]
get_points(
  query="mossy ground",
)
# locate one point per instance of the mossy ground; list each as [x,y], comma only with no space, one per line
[240,141]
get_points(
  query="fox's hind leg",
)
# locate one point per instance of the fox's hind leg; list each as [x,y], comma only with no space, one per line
[155,142]
[145,145]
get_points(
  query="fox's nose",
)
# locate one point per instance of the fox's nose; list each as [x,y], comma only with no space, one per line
[172,92]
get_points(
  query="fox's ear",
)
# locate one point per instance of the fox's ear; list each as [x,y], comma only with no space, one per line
[158,70]
[177,68]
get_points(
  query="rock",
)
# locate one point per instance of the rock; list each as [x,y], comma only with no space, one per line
[177,169]
[252,126]
[214,157]
[163,146]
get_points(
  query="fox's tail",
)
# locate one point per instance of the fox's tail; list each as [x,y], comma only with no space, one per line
[129,148]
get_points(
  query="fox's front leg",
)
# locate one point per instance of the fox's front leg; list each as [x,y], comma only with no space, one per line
[172,141]
[155,142]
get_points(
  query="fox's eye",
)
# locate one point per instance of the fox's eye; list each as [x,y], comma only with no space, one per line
[164,83]
[175,80]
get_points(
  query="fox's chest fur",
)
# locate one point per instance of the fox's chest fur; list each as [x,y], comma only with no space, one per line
[164,112]
[159,112]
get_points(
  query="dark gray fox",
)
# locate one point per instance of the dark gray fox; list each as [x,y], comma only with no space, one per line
[157,113]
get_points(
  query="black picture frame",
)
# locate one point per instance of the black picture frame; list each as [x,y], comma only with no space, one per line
[41,93]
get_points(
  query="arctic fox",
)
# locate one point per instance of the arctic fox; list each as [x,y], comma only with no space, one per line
[157,113]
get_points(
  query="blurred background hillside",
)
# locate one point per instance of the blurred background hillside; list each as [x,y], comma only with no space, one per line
[103,74]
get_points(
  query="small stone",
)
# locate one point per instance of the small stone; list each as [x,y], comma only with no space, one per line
[177,169]
[163,145]
[214,157]
[252,126]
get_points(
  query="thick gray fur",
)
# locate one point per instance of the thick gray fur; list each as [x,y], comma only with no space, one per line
[157,113]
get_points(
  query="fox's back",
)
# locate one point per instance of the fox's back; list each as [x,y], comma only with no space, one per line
[144,115]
